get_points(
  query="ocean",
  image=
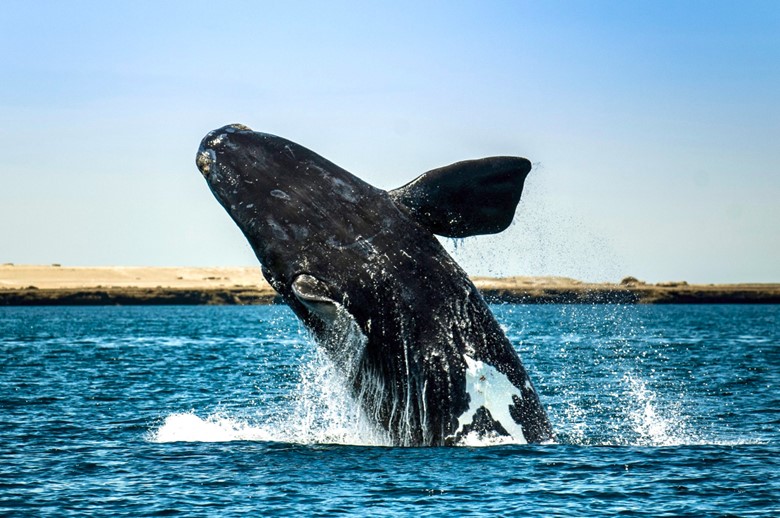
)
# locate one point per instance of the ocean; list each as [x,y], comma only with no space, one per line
[232,411]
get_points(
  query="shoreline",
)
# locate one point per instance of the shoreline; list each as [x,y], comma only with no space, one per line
[28,285]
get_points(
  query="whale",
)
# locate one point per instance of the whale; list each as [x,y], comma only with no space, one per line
[404,327]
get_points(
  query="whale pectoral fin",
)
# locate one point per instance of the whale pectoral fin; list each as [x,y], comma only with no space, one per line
[315,296]
[466,198]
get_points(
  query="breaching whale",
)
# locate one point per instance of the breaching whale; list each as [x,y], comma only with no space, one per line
[361,267]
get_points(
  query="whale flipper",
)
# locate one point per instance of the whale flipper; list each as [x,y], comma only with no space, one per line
[315,296]
[466,198]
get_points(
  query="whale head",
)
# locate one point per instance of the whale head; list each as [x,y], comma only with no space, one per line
[296,208]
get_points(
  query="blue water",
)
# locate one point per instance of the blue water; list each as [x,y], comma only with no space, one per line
[228,411]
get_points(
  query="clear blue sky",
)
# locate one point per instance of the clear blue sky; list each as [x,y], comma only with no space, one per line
[655,126]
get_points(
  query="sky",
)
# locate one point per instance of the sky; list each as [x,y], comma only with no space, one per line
[654,127]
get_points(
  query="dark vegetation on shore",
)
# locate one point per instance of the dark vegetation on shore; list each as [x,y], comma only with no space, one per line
[536,294]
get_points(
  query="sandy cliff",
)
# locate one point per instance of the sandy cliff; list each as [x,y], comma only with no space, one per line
[61,285]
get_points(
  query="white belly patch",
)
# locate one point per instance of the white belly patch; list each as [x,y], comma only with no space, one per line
[489,388]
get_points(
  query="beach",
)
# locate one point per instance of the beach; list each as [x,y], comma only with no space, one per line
[133,285]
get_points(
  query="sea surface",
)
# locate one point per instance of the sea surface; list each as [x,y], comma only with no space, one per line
[232,411]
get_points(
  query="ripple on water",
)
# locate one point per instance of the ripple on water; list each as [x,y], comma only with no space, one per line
[230,411]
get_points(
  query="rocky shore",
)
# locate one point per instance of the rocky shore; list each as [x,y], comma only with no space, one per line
[22,285]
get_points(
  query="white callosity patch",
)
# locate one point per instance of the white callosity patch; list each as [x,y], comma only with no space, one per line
[205,159]
[491,389]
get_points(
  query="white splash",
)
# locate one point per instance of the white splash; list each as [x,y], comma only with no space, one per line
[188,427]
[653,424]
[323,411]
